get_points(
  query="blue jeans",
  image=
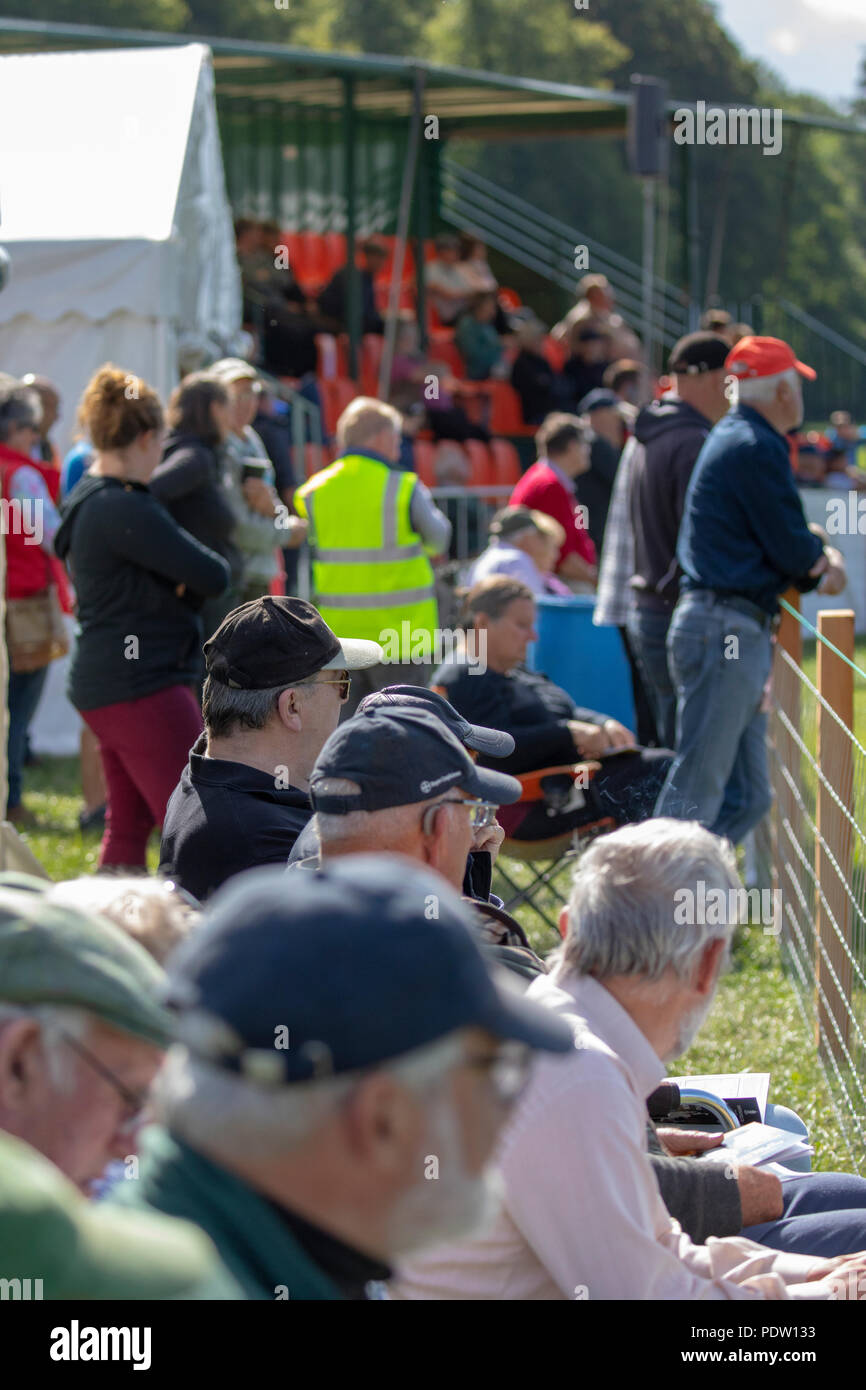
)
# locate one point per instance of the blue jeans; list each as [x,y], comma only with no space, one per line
[719,660]
[25,687]
[648,630]
[824,1215]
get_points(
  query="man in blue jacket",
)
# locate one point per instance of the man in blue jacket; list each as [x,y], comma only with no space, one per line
[742,542]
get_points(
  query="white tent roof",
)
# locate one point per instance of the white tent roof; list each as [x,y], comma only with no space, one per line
[92,144]
[114,213]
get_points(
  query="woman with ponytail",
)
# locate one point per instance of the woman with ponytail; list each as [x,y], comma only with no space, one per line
[140,580]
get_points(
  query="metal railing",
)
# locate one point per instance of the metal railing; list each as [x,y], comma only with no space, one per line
[547,245]
[818,853]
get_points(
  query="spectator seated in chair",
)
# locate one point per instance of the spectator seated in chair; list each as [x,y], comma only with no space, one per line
[524,544]
[549,730]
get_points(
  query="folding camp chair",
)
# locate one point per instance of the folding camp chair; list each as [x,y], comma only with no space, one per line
[545,860]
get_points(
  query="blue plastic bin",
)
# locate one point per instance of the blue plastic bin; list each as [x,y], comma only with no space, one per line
[589,662]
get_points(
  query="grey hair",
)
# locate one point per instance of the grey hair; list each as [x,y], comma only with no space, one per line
[625,912]
[225,709]
[194,1098]
[387,827]
[761,388]
[19,405]
[54,1020]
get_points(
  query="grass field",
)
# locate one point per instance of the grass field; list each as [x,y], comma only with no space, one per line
[755,1024]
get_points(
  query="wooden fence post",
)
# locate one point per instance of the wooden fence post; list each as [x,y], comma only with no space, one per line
[835,682]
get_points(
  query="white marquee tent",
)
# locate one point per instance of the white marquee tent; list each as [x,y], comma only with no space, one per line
[114,214]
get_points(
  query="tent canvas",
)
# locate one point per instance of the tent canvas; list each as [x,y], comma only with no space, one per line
[114,213]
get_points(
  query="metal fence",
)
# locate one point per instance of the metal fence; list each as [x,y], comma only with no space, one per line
[817,850]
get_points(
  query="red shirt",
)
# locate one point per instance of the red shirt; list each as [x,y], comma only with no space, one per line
[542,489]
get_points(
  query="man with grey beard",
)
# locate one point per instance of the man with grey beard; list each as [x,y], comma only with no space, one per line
[345,1064]
[582,1215]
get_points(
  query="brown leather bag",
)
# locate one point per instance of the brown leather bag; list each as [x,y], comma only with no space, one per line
[35,634]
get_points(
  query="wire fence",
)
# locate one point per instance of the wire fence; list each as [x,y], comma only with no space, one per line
[817,852]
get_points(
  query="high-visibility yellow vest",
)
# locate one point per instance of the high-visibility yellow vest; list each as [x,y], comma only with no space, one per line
[371,574]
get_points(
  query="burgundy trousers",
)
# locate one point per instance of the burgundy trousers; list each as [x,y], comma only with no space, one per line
[144,746]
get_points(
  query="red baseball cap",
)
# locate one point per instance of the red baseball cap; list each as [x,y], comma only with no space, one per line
[752,357]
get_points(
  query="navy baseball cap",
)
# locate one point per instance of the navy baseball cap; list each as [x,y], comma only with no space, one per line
[598,399]
[347,971]
[398,758]
[495,743]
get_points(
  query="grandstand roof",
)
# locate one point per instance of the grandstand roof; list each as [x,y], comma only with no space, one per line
[468,102]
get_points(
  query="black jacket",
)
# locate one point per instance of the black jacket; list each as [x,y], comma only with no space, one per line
[526,704]
[672,434]
[534,380]
[224,817]
[187,483]
[126,556]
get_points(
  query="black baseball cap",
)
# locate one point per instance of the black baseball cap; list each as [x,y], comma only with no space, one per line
[495,743]
[398,758]
[697,353]
[346,972]
[275,640]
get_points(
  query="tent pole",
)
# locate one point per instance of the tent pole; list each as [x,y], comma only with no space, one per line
[402,230]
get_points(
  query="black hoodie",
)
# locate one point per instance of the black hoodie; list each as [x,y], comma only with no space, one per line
[672,435]
[126,557]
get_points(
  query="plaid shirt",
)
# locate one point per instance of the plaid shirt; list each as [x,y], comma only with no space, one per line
[614,599]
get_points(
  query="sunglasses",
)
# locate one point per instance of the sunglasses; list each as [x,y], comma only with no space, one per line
[344,682]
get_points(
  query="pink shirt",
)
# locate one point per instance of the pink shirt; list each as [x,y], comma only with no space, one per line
[582,1217]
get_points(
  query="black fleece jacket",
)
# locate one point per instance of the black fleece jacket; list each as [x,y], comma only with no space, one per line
[126,556]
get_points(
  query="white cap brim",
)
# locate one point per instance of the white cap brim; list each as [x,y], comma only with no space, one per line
[355,655]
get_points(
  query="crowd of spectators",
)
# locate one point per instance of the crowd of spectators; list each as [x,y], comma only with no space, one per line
[331,806]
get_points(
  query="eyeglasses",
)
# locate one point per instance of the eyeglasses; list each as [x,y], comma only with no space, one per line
[344,682]
[482,813]
[508,1069]
[135,1102]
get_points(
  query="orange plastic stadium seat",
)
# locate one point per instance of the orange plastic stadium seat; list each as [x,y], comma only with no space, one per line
[316,268]
[554,352]
[445,350]
[423,452]
[369,358]
[335,250]
[481,474]
[506,463]
[335,395]
[505,413]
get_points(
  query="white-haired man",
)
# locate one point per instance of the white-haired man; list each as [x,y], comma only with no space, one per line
[343,1046]
[582,1215]
[743,540]
[373,529]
